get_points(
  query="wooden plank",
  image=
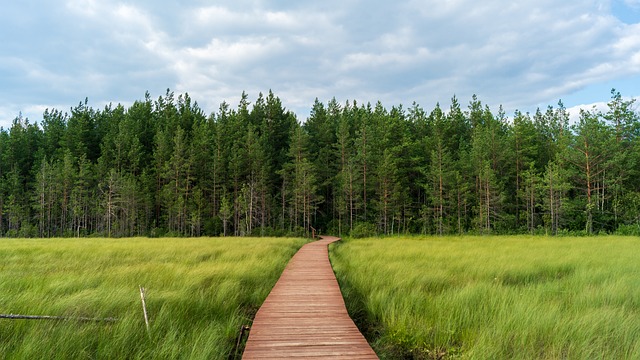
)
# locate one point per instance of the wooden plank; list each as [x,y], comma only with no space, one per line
[304,316]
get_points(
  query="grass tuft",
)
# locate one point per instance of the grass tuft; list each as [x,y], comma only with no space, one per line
[199,291]
[494,297]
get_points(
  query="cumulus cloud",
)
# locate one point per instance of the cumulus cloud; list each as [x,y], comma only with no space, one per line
[598,107]
[519,54]
[634,4]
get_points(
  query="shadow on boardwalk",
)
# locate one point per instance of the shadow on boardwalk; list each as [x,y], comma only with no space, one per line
[304,316]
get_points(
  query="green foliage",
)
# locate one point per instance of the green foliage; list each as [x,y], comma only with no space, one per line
[363,230]
[628,230]
[493,297]
[198,291]
[165,167]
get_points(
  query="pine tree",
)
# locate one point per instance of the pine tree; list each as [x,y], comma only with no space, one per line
[528,193]
[80,138]
[488,158]
[225,213]
[440,172]
[555,187]
[178,179]
[624,173]
[388,187]
[163,166]
[82,198]
[206,173]
[54,129]
[590,154]
[111,199]
[302,182]
[321,126]
[524,151]
[346,184]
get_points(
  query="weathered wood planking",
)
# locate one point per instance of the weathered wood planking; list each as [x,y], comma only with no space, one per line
[304,316]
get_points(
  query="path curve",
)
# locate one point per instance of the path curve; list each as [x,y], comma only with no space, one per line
[304,316]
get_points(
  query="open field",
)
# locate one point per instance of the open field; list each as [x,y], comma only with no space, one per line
[199,292]
[495,297]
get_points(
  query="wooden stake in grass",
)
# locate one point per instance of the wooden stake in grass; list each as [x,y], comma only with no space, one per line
[144,308]
[243,330]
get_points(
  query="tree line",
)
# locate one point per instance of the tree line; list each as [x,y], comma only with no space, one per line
[165,168]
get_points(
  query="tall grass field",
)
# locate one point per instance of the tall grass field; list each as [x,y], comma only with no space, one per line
[494,297]
[198,294]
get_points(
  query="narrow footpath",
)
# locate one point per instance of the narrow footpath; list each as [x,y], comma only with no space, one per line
[304,316]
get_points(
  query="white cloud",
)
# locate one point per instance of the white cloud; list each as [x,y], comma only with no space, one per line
[519,54]
[598,107]
[216,16]
[254,19]
[384,59]
[574,111]
[90,8]
[32,112]
[634,4]
[236,52]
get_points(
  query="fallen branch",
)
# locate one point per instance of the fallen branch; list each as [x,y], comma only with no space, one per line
[60,318]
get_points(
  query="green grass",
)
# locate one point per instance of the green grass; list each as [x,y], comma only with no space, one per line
[495,297]
[199,292]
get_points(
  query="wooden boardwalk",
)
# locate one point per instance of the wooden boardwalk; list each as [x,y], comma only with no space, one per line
[304,316]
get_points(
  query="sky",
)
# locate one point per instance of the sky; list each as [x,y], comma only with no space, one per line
[523,54]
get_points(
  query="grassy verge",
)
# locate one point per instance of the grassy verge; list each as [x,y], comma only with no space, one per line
[199,292]
[495,297]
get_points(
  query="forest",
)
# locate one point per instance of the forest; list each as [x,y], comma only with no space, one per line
[164,167]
